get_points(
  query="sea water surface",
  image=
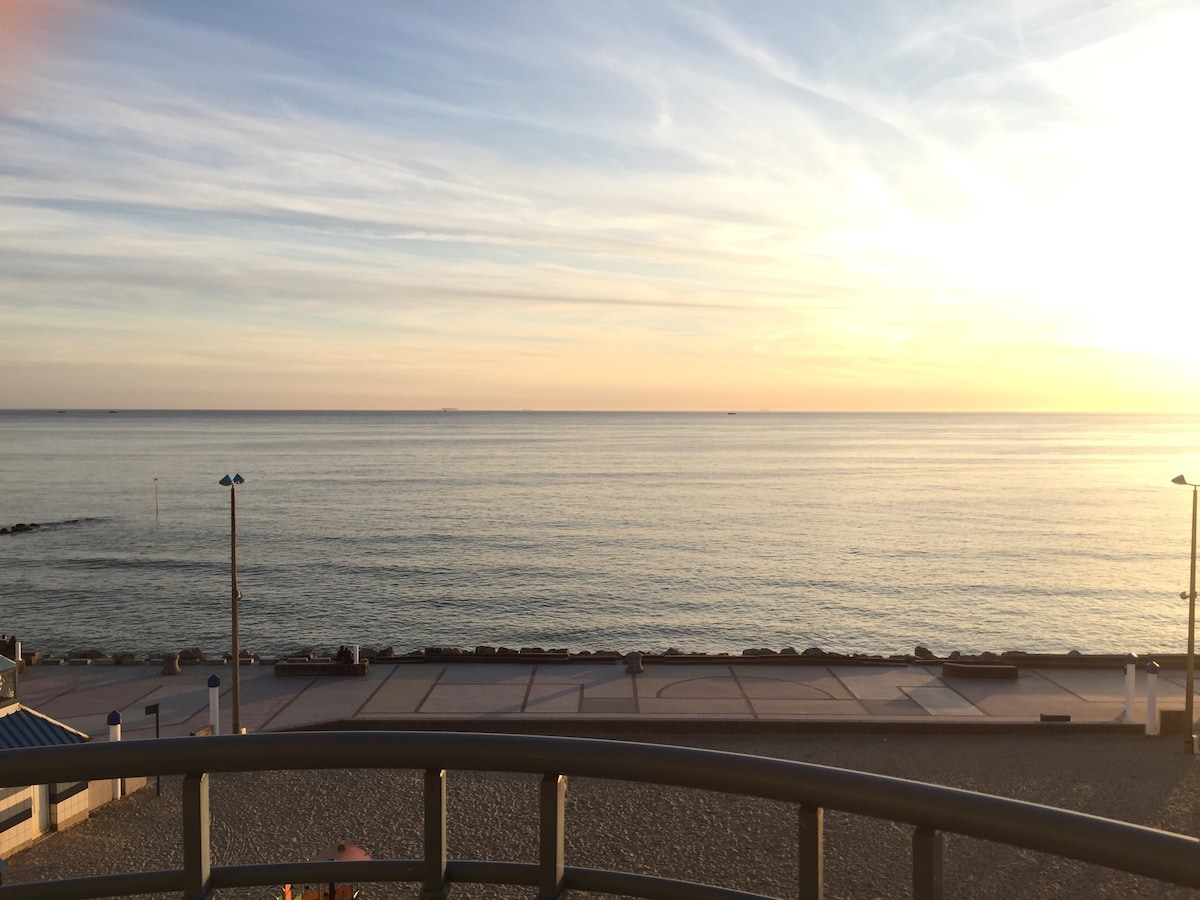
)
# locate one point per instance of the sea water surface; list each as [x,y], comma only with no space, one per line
[709,532]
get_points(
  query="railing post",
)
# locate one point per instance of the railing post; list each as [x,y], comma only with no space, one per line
[434,887]
[1130,684]
[812,852]
[214,703]
[927,847]
[197,856]
[114,735]
[551,843]
[1152,698]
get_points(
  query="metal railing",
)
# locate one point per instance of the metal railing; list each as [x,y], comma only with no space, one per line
[931,811]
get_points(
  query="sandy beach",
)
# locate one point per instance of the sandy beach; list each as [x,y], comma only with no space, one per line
[731,841]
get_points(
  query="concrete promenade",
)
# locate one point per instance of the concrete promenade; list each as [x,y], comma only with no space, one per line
[730,697]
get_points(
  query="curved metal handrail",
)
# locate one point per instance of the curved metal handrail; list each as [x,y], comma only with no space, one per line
[930,809]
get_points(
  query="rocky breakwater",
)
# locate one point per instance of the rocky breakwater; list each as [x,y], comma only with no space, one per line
[921,655]
[29,527]
[20,528]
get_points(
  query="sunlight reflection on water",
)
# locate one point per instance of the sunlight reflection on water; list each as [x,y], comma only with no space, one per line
[855,533]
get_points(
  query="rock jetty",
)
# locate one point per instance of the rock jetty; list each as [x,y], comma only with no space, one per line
[632,658]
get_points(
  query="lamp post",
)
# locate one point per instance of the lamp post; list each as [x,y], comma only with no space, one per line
[1189,682]
[236,595]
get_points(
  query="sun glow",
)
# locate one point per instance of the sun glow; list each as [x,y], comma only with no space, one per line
[954,206]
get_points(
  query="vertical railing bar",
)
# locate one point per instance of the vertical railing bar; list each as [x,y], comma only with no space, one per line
[434,886]
[811,843]
[552,795]
[197,848]
[928,845]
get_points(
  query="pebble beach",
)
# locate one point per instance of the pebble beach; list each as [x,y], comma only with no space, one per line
[724,840]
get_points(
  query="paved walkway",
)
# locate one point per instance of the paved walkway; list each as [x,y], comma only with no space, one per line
[582,695]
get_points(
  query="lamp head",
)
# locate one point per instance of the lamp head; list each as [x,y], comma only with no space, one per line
[238,479]
[1178,479]
[227,481]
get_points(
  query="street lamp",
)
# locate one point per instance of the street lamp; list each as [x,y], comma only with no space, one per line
[232,483]
[1190,738]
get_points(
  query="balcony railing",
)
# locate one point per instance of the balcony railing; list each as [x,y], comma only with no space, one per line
[930,810]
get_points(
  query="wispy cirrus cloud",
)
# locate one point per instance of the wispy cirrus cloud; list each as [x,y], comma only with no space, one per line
[744,197]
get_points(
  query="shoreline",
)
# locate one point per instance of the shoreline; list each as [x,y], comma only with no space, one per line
[538,655]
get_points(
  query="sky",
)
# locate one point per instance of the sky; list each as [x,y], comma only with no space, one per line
[598,204]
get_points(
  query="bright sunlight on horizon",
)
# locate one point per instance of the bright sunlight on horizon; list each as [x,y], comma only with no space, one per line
[618,205]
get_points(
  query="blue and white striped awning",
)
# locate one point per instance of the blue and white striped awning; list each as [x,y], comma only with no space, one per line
[22,727]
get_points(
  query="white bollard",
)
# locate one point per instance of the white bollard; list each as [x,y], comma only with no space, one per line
[1151,699]
[1130,685]
[356,654]
[214,703]
[16,651]
[114,735]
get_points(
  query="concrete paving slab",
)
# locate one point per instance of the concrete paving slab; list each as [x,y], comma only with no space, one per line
[82,696]
[623,688]
[1099,685]
[554,698]
[85,695]
[491,673]
[820,678]
[560,674]
[95,696]
[757,687]
[184,699]
[324,700]
[882,683]
[175,707]
[409,671]
[1172,683]
[822,707]
[398,696]
[596,681]
[715,687]
[40,684]
[263,700]
[475,698]
[904,707]
[656,677]
[176,710]
[1030,691]
[938,700]
[1038,693]
[615,690]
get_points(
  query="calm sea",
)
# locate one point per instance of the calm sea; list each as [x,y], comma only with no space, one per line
[621,531]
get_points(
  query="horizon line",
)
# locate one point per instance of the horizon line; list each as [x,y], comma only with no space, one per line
[449,410]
